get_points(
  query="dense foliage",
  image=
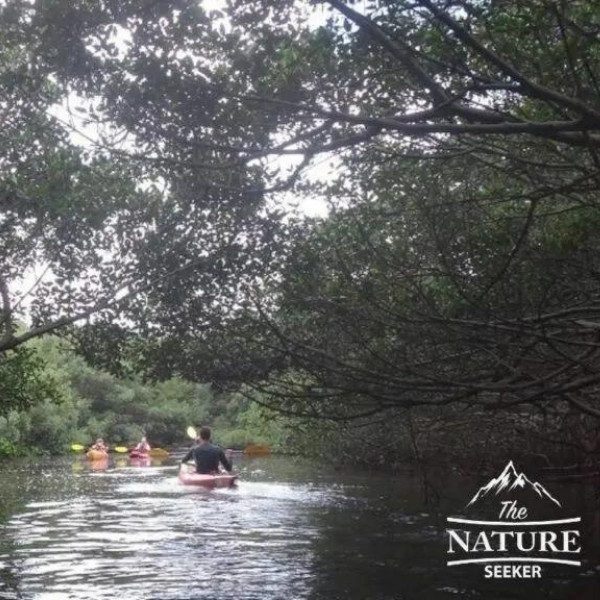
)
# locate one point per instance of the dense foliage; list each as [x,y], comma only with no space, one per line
[75,403]
[456,144]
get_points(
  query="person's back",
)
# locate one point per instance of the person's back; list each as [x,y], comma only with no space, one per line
[207,456]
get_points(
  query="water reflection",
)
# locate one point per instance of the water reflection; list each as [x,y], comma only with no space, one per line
[140,532]
[288,531]
[99,465]
[140,462]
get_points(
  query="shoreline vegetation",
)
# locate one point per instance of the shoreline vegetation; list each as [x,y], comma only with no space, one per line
[71,402]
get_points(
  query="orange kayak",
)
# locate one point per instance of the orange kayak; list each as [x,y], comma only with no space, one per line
[96,455]
[257,450]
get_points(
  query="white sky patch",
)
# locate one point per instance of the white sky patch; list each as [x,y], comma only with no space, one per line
[93,131]
[73,114]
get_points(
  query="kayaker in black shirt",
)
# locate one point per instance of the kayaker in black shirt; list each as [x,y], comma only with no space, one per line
[207,456]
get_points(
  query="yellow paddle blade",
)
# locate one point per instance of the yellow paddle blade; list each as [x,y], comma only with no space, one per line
[121,449]
[257,449]
[77,447]
[159,452]
[191,432]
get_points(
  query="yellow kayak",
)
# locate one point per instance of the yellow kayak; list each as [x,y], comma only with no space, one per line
[158,453]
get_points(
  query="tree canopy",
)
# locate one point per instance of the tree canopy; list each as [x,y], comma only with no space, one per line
[456,144]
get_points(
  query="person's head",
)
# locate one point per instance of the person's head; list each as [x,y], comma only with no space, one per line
[99,441]
[205,434]
[144,439]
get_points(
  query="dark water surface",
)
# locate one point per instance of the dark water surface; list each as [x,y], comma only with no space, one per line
[289,530]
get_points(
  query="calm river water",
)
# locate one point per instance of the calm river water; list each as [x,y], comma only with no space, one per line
[289,530]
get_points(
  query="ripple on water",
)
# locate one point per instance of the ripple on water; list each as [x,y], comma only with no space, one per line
[137,534]
[141,532]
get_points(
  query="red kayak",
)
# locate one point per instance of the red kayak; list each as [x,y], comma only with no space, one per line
[220,480]
[138,454]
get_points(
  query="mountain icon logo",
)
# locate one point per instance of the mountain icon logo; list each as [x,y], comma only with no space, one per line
[510,481]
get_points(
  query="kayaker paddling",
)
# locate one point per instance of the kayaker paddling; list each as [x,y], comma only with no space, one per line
[141,450]
[143,447]
[207,456]
[99,446]
[98,451]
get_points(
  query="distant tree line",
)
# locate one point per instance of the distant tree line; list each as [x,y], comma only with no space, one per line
[70,403]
